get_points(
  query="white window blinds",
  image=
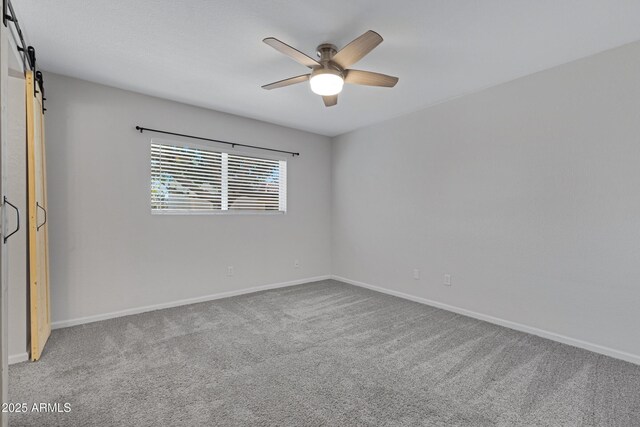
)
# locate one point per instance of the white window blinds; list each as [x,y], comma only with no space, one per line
[185,179]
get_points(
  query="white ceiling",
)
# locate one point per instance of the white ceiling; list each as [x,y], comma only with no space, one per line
[210,53]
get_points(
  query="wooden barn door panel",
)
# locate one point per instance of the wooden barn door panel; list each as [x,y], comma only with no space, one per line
[40,317]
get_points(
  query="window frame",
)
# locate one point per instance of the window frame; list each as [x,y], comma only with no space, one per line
[233,151]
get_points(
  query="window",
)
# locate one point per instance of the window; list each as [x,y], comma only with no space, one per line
[193,179]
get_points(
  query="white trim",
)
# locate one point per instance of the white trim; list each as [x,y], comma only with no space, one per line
[224,187]
[17,358]
[622,355]
[97,317]
[282,190]
[215,212]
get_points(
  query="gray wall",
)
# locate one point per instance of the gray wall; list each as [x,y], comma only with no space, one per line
[108,253]
[16,192]
[528,194]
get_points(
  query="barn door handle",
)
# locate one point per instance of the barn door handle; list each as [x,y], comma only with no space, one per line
[17,216]
[45,217]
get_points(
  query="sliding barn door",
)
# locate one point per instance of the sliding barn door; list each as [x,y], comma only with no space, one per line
[40,318]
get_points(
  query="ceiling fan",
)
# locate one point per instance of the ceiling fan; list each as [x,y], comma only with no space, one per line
[330,71]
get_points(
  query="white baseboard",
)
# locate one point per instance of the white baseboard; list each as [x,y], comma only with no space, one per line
[17,358]
[95,318]
[628,357]
[495,320]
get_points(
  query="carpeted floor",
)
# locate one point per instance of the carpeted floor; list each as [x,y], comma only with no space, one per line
[320,354]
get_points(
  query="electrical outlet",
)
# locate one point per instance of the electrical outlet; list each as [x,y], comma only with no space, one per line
[230,270]
[416,274]
[447,280]
[296,263]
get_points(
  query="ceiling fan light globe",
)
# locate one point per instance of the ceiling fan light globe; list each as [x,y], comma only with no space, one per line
[326,83]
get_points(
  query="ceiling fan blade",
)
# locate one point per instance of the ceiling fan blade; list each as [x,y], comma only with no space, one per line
[287,82]
[357,49]
[330,101]
[369,78]
[291,52]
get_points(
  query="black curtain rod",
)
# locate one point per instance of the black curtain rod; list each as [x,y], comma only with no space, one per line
[232,144]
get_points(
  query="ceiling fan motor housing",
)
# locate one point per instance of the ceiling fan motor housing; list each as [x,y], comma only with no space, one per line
[328,79]
[325,52]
